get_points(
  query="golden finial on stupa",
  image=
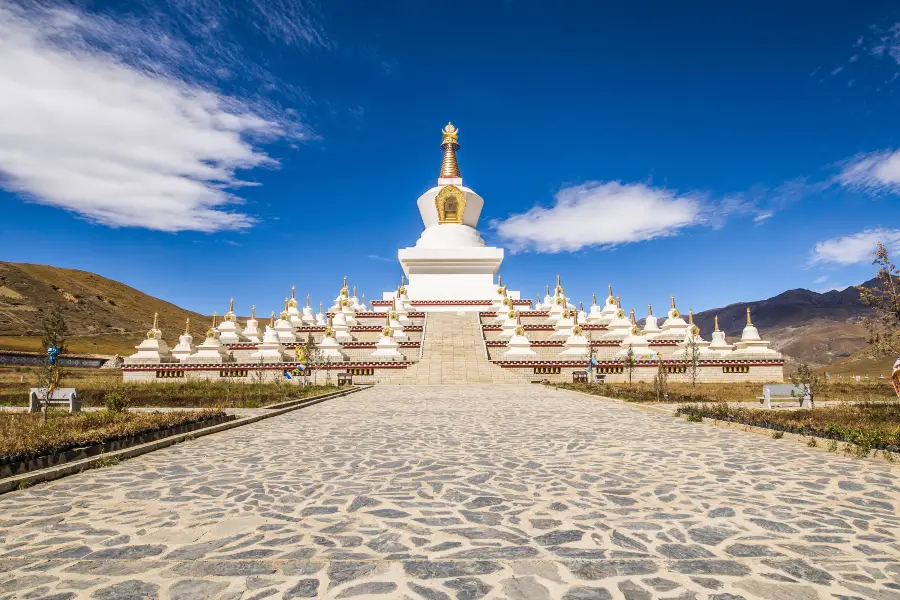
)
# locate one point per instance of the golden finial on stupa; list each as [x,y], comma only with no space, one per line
[449,144]
[619,301]
[354,291]
[272,320]
[215,319]
[593,298]
[716,321]
[673,301]
[155,320]
[187,326]
[293,290]
[581,306]
[649,310]
[320,306]
[253,311]
[548,290]
[633,321]
[749,322]
[609,287]
[690,316]
[344,289]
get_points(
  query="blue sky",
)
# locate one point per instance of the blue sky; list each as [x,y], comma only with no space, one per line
[197,149]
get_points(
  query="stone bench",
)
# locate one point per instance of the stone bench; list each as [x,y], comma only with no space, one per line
[785,391]
[59,397]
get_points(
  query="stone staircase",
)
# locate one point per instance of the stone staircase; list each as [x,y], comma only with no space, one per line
[453,353]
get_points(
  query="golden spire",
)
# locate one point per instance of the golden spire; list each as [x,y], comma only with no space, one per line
[499,281]
[633,321]
[609,287]
[293,289]
[749,322]
[581,306]
[215,319]
[231,305]
[548,290]
[155,320]
[252,311]
[619,301]
[673,301]
[307,299]
[716,320]
[344,289]
[187,326]
[363,299]
[320,306]
[272,320]
[449,167]
[649,310]
[594,298]
[354,291]
[690,316]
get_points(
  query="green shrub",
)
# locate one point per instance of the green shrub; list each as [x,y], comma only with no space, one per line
[695,418]
[116,401]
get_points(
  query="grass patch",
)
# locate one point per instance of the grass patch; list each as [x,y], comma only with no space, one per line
[679,393]
[96,387]
[23,434]
[866,426]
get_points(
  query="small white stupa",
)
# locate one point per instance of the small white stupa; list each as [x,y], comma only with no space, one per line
[283,326]
[637,342]
[620,327]
[320,317]
[651,325]
[153,349]
[538,306]
[564,325]
[251,329]
[395,324]
[387,347]
[548,300]
[508,328]
[402,313]
[402,297]
[559,304]
[751,344]
[501,302]
[362,305]
[610,308]
[185,345]
[270,349]
[354,300]
[229,330]
[595,315]
[576,346]
[293,313]
[340,327]
[718,345]
[331,349]
[692,337]
[307,316]
[518,345]
[674,327]
[211,351]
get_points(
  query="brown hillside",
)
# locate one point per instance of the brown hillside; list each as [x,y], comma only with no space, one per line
[104,316]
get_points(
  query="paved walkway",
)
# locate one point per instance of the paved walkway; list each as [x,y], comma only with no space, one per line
[463,492]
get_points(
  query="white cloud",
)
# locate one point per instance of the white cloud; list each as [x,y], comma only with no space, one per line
[121,140]
[875,172]
[763,217]
[604,214]
[854,248]
[821,279]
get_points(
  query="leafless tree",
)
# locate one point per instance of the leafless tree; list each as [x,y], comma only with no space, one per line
[629,364]
[53,339]
[661,381]
[692,360]
[884,298]
[808,379]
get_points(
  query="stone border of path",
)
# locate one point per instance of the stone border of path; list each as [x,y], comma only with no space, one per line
[77,466]
[762,431]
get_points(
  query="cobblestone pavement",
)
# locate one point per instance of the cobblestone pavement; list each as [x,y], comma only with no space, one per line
[463,492]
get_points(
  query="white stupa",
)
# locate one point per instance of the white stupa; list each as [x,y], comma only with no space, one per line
[251,329]
[450,261]
[270,349]
[153,349]
[362,305]
[395,324]
[620,327]
[751,344]
[691,337]
[185,345]
[229,330]
[354,301]
[400,309]
[293,313]
[403,296]
[212,350]
[637,342]
[674,326]
[341,328]
[651,325]
[331,349]
[610,308]
[565,324]
[387,347]
[518,345]
[594,316]
[307,316]
[718,345]
[510,323]
[320,317]
[283,326]
[576,346]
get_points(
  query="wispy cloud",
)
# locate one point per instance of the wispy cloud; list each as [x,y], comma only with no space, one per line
[604,214]
[381,258]
[821,279]
[875,172]
[854,248]
[763,217]
[113,120]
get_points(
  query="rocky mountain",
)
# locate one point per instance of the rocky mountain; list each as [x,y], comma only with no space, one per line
[806,326]
[104,316]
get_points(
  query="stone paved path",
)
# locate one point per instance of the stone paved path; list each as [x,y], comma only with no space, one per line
[463,492]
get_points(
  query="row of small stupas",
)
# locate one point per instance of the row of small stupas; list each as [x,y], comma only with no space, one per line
[552,333]
[613,334]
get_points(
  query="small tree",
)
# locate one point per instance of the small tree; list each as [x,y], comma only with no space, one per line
[311,359]
[661,381]
[629,364]
[53,339]
[692,361]
[810,381]
[884,298]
